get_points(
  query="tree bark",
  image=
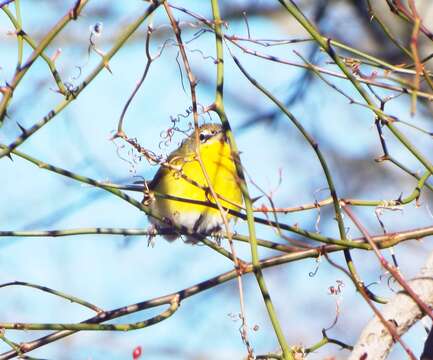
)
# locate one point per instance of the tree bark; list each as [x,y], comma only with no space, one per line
[375,341]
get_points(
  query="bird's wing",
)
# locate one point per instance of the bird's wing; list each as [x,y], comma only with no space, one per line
[156,179]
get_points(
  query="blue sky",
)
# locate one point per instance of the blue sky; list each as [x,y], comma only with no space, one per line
[113,271]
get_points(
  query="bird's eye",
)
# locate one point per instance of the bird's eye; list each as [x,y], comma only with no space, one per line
[202,137]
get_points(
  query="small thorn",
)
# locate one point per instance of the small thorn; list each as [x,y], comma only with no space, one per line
[23,130]
[399,199]
[381,158]
[254,199]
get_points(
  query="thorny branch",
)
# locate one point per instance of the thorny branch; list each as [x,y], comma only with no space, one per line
[354,66]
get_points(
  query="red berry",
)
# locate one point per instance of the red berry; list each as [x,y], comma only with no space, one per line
[136,353]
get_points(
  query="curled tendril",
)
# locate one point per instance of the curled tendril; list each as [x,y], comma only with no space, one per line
[96,29]
[316,203]
[167,135]
[390,282]
[374,283]
[316,269]
[119,148]
[336,291]
[204,57]
[196,35]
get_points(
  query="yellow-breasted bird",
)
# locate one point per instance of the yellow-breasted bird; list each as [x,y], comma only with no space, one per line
[180,177]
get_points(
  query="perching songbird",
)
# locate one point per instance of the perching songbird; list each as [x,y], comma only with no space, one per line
[180,177]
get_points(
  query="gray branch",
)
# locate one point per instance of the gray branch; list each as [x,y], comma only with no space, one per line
[375,341]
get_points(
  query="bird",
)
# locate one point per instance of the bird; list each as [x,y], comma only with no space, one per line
[181,176]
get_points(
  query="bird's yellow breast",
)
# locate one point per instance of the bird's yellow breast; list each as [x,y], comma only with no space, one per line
[218,162]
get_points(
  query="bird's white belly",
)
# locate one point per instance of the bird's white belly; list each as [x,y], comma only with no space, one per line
[190,222]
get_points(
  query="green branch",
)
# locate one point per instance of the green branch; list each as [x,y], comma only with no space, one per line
[63,295]
[219,109]
[130,29]
[291,7]
[86,326]
[387,241]
[72,14]
[326,46]
[29,40]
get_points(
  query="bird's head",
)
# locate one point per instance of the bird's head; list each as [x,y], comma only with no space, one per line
[209,133]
